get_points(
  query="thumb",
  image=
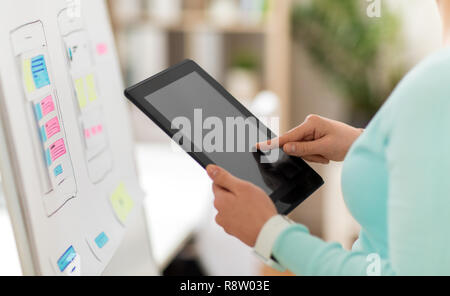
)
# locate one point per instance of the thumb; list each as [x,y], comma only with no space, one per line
[223,178]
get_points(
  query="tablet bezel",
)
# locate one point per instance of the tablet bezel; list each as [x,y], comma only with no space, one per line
[137,95]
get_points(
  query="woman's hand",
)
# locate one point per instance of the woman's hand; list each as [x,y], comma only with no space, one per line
[317,139]
[243,207]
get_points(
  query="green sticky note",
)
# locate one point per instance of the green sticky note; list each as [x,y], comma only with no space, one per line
[91,89]
[81,93]
[121,202]
[28,76]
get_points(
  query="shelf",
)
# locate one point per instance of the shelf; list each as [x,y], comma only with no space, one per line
[272,31]
[196,21]
[205,26]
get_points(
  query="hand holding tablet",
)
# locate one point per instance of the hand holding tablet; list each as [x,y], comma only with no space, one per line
[214,128]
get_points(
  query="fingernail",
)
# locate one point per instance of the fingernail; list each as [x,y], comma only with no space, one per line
[292,148]
[212,171]
[289,148]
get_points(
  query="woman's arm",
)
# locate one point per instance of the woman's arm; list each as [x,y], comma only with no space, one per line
[416,124]
[244,209]
[417,128]
[304,254]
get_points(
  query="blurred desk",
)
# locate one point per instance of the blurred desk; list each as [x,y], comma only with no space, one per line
[177,200]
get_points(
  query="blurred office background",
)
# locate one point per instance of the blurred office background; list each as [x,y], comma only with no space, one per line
[282,58]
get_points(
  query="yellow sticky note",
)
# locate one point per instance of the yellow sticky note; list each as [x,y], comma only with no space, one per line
[91,89]
[28,76]
[121,202]
[81,93]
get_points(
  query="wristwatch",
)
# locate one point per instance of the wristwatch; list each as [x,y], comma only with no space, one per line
[267,238]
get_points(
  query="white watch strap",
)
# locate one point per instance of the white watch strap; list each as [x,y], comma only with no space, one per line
[267,238]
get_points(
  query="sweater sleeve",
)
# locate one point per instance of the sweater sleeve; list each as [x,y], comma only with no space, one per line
[417,151]
[304,254]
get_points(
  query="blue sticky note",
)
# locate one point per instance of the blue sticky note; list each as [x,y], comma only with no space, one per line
[43,134]
[101,240]
[38,111]
[47,157]
[66,258]
[39,71]
[58,170]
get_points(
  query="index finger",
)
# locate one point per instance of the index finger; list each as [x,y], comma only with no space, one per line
[294,135]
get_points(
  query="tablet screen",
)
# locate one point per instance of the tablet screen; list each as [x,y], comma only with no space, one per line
[204,118]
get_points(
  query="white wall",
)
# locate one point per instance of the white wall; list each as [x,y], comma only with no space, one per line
[421,29]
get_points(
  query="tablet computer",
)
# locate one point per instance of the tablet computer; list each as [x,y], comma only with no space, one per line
[214,128]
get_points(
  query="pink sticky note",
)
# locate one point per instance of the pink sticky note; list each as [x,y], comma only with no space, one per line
[102,49]
[87,134]
[52,127]
[57,149]
[99,128]
[47,105]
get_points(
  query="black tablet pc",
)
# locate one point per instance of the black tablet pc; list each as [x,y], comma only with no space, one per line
[214,128]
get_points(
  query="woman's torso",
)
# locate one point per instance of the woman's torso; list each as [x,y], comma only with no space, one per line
[367,168]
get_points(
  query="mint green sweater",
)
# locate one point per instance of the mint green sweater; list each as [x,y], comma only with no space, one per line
[396,184]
